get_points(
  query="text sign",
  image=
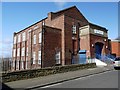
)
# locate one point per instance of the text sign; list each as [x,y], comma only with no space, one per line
[98,32]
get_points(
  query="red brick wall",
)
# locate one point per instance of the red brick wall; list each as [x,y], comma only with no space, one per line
[72,17]
[115,48]
[52,42]
[93,40]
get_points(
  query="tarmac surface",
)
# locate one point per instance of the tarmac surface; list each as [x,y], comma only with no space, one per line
[55,78]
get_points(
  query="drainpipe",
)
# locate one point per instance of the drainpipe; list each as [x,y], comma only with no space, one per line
[42,43]
[78,37]
[31,61]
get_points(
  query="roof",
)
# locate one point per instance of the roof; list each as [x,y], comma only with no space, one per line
[66,9]
[52,27]
[30,25]
[62,11]
[91,24]
[118,38]
[115,40]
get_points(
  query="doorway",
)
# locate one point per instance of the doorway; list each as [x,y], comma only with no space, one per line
[98,49]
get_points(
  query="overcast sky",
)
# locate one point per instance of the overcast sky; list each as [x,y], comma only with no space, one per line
[19,15]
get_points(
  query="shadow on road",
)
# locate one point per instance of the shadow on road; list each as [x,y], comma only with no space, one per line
[5,87]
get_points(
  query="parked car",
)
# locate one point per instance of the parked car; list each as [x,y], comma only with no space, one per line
[116,63]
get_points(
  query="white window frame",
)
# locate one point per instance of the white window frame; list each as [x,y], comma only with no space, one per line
[29,34]
[27,52]
[18,52]
[23,36]
[17,64]
[74,29]
[57,57]
[26,63]
[39,57]
[34,39]
[13,63]
[22,64]
[34,57]
[36,27]
[23,51]
[15,38]
[14,52]
[40,37]
[19,38]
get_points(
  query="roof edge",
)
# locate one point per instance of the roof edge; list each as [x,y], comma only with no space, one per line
[98,26]
[29,26]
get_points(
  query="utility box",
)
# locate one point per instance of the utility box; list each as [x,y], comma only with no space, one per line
[82,56]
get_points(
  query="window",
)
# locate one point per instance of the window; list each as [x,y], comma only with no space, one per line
[74,29]
[40,37]
[15,40]
[26,63]
[39,57]
[23,36]
[23,51]
[22,64]
[28,34]
[18,52]
[34,39]
[14,52]
[19,36]
[36,27]
[27,52]
[57,58]
[13,62]
[18,64]
[34,57]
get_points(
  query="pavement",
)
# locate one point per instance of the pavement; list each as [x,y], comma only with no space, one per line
[56,78]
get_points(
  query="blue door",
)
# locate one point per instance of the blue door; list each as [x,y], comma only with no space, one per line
[98,49]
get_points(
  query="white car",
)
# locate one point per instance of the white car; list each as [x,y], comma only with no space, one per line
[116,63]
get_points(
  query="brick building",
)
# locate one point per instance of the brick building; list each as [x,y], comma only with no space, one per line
[56,39]
[115,47]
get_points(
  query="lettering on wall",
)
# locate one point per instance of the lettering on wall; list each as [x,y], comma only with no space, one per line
[98,31]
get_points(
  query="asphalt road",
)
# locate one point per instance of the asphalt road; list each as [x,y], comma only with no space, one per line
[103,80]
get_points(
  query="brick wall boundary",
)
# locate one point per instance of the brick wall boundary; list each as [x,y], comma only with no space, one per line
[26,74]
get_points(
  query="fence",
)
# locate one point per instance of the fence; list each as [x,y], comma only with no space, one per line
[6,65]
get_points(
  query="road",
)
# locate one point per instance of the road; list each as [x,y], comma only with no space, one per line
[107,79]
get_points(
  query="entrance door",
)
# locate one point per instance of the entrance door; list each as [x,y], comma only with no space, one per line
[98,49]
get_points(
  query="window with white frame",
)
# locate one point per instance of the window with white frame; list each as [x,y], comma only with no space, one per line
[34,57]
[40,37]
[19,38]
[13,63]
[28,35]
[36,27]
[26,63]
[34,39]
[18,64]
[27,52]
[18,52]
[23,51]
[14,39]
[74,29]
[22,63]
[23,36]
[39,57]
[57,57]
[14,52]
